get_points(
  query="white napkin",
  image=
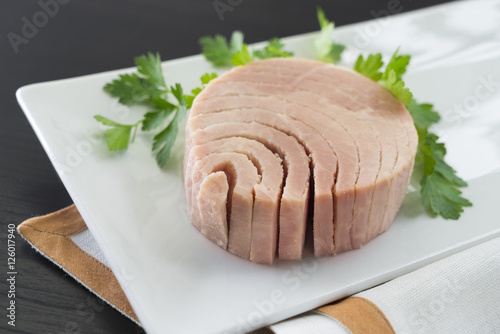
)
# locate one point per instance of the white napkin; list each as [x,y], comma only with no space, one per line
[459,294]
[310,322]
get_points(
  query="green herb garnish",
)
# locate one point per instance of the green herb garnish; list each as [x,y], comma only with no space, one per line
[439,184]
[167,106]
[391,77]
[326,49]
[222,53]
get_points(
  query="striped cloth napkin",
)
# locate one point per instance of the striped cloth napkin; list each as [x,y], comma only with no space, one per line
[459,294]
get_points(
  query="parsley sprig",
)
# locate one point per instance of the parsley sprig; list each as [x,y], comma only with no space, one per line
[326,49]
[439,184]
[391,78]
[119,135]
[222,53]
[167,106]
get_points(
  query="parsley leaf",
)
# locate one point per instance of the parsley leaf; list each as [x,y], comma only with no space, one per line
[438,180]
[129,88]
[163,141]
[161,103]
[396,86]
[322,20]
[397,64]
[221,53]
[118,136]
[154,119]
[326,49]
[177,93]
[218,51]
[207,77]
[242,57]
[391,77]
[423,114]
[441,198]
[147,86]
[438,186]
[370,67]
[448,173]
[150,67]
[273,49]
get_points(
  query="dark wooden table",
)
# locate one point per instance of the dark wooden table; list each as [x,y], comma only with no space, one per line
[80,37]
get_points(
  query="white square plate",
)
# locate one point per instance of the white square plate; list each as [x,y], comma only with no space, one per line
[179,282]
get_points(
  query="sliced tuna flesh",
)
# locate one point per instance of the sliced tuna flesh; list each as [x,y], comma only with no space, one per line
[296,121]
[267,193]
[241,176]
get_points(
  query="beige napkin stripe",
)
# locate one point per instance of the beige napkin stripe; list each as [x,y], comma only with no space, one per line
[359,315]
[50,234]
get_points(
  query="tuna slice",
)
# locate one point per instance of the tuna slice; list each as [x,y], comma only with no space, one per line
[241,176]
[294,200]
[267,193]
[212,199]
[320,122]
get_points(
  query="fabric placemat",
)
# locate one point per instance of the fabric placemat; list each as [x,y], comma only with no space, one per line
[51,235]
[459,294]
